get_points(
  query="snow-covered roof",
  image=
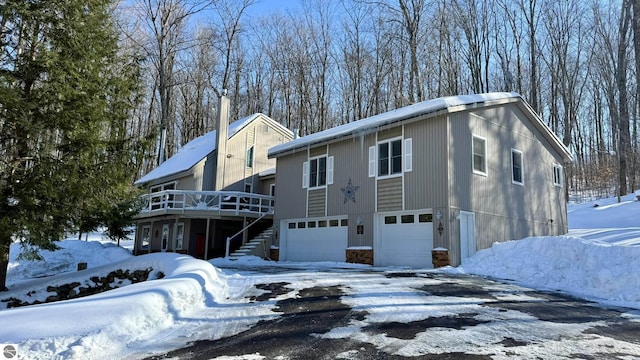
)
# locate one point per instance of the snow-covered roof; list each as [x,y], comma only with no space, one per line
[196,150]
[367,125]
[267,172]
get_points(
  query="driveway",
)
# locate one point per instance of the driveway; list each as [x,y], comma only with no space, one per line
[356,314]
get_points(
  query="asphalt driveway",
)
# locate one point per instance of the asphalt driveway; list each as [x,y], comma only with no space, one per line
[452,317]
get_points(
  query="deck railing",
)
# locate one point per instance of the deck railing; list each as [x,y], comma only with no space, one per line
[221,201]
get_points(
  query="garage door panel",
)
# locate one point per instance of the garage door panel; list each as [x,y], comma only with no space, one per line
[317,244]
[405,244]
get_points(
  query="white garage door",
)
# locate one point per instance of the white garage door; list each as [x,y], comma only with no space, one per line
[405,239]
[315,240]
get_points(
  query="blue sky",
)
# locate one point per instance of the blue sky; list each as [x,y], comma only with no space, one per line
[263,7]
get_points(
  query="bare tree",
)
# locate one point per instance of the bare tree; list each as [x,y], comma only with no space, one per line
[165,21]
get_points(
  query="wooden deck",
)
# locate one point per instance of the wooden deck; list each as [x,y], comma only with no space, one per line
[203,204]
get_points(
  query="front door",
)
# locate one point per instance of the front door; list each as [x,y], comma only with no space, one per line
[165,237]
[467,234]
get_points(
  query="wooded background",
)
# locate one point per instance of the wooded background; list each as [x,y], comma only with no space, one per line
[95,93]
[326,63]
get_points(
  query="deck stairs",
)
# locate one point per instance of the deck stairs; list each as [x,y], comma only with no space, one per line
[256,246]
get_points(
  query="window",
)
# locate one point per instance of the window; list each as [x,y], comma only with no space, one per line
[146,236]
[425,218]
[390,158]
[333,223]
[179,237]
[557,175]
[248,188]
[311,224]
[162,187]
[302,225]
[165,237]
[516,167]
[344,222]
[407,219]
[249,157]
[322,223]
[317,172]
[162,201]
[390,220]
[292,225]
[479,155]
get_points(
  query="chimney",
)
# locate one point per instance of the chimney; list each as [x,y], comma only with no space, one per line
[222,135]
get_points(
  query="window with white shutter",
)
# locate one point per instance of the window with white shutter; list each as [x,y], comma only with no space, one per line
[305,174]
[372,161]
[408,155]
[330,170]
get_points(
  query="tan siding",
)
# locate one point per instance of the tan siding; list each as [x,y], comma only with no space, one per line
[185,183]
[235,161]
[390,194]
[390,133]
[236,171]
[317,202]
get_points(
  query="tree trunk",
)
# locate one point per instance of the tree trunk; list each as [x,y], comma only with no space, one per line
[621,81]
[4,262]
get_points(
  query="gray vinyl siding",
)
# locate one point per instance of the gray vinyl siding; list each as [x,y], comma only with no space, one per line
[504,211]
[351,162]
[292,197]
[209,171]
[317,202]
[318,151]
[427,184]
[390,194]
[390,133]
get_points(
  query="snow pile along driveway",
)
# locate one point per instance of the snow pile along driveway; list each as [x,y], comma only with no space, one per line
[593,270]
[108,323]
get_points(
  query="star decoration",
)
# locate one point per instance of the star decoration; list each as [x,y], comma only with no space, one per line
[350,192]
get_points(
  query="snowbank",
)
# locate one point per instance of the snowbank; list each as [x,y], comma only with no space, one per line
[64,260]
[593,270]
[106,324]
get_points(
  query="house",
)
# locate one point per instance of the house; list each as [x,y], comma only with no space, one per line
[211,189]
[445,176]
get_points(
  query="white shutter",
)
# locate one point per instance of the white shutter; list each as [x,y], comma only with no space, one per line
[372,161]
[330,170]
[408,155]
[305,174]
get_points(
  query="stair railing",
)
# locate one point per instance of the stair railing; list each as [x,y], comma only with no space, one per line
[226,253]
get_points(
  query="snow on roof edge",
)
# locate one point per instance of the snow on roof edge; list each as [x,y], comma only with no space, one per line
[363,125]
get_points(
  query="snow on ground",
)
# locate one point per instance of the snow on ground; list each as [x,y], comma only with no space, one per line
[598,260]
[195,299]
[64,260]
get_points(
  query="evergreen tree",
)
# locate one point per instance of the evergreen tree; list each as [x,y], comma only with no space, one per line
[65,96]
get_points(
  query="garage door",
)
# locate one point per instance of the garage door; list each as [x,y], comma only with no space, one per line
[316,240]
[405,239]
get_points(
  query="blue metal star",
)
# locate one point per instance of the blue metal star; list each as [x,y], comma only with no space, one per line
[350,192]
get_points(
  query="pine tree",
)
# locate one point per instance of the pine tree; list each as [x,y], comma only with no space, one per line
[65,95]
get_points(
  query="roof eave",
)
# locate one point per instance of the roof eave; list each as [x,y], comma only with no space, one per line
[394,122]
